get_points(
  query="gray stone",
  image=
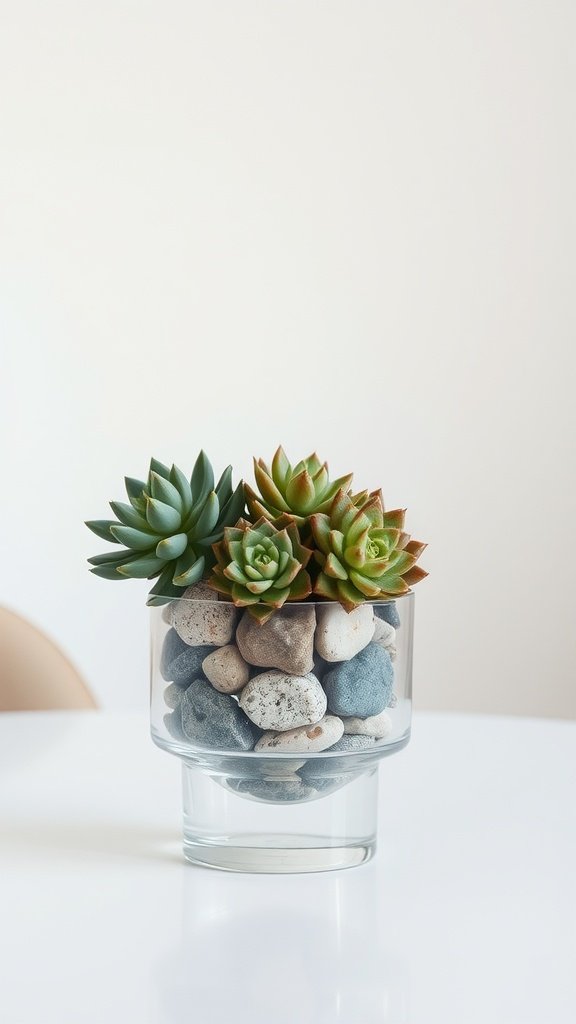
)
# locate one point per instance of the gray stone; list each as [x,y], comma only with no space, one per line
[173,723]
[288,790]
[276,700]
[306,739]
[362,686]
[377,726]
[180,663]
[285,642]
[173,695]
[340,634]
[226,669]
[199,618]
[348,743]
[388,612]
[215,720]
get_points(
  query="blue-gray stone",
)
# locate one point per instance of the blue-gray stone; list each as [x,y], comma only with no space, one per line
[362,686]
[273,790]
[179,662]
[388,612]
[347,742]
[215,720]
[328,772]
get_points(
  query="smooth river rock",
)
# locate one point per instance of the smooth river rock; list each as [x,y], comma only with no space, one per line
[385,635]
[340,635]
[213,719]
[276,700]
[379,727]
[285,642]
[226,669]
[362,686]
[199,618]
[180,663]
[307,739]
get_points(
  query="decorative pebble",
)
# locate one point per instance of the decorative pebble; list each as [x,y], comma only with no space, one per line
[388,612]
[274,791]
[199,618]
[378,727]
[321,666]
[279,769]
[173,723]
[340,634]
[285,642]
[167,612]
[173,695]
[362,686]
[306,739]
[226,669]
[353,742]
[172,647]
[275,700]
[180,663]
[214,719]
[385,635]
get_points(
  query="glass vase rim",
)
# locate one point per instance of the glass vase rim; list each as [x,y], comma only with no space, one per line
[217,599]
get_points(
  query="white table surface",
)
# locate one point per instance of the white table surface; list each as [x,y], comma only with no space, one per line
[466,915]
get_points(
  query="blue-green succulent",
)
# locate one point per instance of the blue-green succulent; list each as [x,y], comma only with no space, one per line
[168,528]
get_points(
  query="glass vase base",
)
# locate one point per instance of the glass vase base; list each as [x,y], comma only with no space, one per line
[274,854]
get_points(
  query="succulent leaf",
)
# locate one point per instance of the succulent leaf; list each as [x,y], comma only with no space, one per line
[101,527]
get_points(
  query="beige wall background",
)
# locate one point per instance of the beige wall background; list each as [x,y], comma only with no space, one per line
[346,226]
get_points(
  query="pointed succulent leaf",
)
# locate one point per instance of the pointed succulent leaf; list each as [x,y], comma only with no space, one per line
[224,486]
[137,540]
[128,515]
[141,568]
[300,492]
[114,558]
[281,468]
[161,517]
[101,527]
[202,480]
[106,572]
[159,468]
[182,485]
[164,491]
[192,575]
[208,517]
[134,488]
[171,547]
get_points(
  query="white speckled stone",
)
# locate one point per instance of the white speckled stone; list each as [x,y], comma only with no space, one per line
[276,700]
[226,669]
[307,739]
[378,726]
[385,635]
[285,642]
[340,635]
[201,619]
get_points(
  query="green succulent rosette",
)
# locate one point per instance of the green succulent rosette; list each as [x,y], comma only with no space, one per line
[363,552]
[298,491]
[168,528]
[260,566]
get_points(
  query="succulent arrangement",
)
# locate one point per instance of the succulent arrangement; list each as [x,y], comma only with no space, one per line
[298,536]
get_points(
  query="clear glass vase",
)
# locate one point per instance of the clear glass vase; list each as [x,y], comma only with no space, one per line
[280,727]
